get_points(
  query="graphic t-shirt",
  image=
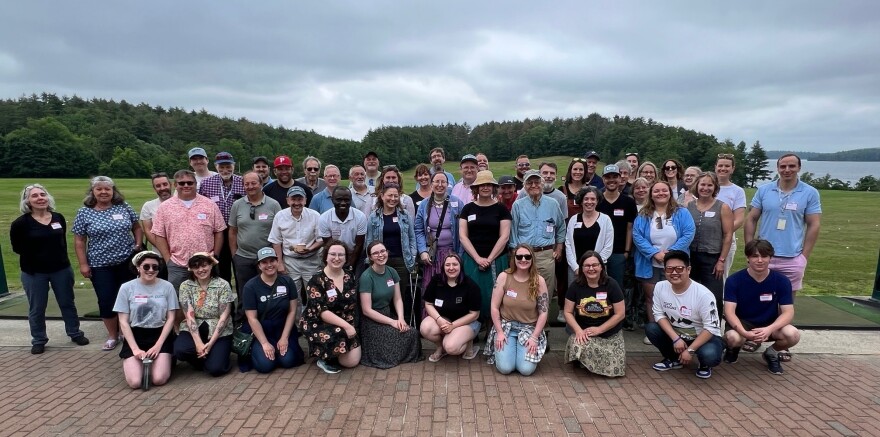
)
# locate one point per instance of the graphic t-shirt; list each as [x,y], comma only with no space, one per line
[594,306]
[147,306]
[691,312]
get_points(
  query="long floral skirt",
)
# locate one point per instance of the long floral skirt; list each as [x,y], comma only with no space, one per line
[602,356]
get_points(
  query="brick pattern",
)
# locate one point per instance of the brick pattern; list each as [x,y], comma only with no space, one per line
[76,392]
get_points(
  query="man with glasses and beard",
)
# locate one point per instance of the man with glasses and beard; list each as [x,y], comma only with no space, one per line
[223,189]
[311,169]
[283,168]
[437,156]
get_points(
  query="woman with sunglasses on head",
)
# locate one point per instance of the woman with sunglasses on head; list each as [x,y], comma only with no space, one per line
[734,196]
[205,339]
[661,226]
[453,303]
[594,311]
[437,228]
[590,230]
[714,231]
[330,313]
[648,171]
[146,307]
[38,236]
[519,315]
[422,176]
[572,184]
[672,173]
[387,339]
[106,232]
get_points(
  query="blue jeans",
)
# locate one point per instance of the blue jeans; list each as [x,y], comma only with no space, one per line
[293,358]
[106,282]
[513,357]
[36,287]
[709,353]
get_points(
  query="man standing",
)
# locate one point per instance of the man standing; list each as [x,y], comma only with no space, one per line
[223,189]
[507,193]
[759,307]
[686,319]
[371,166]
[590,176]
[538,221]
[162,187]
[482,161]
[522,166]
[185,224]
[469,169]
[261,166]
[311,169]
[632,158]
[786,213]
[361,197]
[344,224]
[277,190]
[622,211]
[250,221]
[437,156]
[198,160]
[294,237]
[323,200]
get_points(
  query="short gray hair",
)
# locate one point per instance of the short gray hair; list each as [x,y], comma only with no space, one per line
[25,207]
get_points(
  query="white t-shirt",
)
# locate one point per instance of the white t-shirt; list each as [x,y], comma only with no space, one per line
[733,196]
[289,232]
[690,313]
[147,306]
[662,238]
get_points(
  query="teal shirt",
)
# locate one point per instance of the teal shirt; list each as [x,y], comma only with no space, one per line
[377,285]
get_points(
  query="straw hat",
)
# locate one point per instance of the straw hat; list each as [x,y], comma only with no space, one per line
[484,177]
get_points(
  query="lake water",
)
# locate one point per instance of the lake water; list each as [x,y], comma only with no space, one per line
[846,171]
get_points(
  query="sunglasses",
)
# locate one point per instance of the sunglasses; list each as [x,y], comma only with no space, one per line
[675,269]
[312,169]
[578,160]
[149,267]
[659,223]
[185,183]
[670,167]
[725,156]
[524,164]
[253,210]
[525,257]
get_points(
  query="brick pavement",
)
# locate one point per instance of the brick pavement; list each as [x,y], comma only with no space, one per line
[81,392]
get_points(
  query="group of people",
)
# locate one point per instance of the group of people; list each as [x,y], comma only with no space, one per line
[365,271]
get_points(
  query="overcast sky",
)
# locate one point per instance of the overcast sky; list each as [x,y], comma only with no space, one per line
[801,75]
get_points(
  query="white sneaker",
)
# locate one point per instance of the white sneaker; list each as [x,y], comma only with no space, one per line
[646,340]
[560,318]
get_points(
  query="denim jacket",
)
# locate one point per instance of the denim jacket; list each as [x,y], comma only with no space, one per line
[645,250]
[407,234]
[455,206]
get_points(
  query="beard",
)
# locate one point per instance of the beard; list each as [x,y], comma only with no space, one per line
[226,177]
[547,187]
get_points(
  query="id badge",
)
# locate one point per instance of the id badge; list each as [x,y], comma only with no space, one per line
[780,224]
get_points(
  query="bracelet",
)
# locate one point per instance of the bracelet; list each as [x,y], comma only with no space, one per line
[676,340]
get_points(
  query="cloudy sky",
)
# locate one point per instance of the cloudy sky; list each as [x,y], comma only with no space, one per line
[799,75]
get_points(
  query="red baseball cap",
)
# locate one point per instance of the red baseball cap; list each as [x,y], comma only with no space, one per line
[282,160]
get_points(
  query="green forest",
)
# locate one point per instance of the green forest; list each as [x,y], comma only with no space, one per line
[863,155]
[45,136]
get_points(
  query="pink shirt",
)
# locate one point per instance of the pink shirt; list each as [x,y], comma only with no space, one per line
[188,230]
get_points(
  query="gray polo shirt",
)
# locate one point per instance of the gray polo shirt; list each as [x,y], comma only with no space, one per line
[253,233]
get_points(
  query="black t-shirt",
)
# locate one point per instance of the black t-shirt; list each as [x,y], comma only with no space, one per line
[279,193]
[483,225]
[391,235]
[453,303]
[621,212]
[271,302]
[416,198]
[594,306]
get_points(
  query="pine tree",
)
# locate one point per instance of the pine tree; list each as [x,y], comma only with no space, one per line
[755,161]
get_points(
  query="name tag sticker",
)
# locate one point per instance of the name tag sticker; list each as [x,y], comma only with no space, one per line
[281,290]
[618,213]
[141,299]
[472,217]
[710,214]
[791,206]
[510,293]
[685,311]
[578,225]
[393,219]
[331,293]
[766,297]
[438,302]
[453,204]
[780,224]
[117,216]
[202,216]
[390,282]
[215,198]
[56,225]
[549,228]
[263,216]
[601,295]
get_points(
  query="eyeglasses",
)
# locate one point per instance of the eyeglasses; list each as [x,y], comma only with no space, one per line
[725,156]
[253,210]
[676,269]
[592,266]
[312,169]
[523,257]
[149,267]
[659,222]
[185,183]
[670,167]
[336,254]
[379,252]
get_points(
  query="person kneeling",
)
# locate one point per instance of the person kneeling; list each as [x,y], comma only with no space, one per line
[759,307]
[205,339]
[452,301]
[687,322]
[594,311]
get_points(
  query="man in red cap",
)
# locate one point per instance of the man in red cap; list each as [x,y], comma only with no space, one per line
[277,189]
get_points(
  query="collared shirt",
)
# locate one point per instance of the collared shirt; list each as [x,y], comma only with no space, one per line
[320,185]
[213,189]
[321,202]
[188,230]
[254,221]
[463,192]
[449,178]
[363,202]
[783,216]
[289,231]
[537,225]
[347,231]
[597,182]
[206,307]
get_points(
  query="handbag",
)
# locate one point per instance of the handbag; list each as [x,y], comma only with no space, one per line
[242,341]
[432,239]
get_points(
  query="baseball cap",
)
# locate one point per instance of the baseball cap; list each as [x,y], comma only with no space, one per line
[296,191]
[592,154]
[531,173]
[224,158]
[611,168]
[371,153]
[506,180]
[197,151]
[470,158]
[262,159]
[266,252]
[282,161]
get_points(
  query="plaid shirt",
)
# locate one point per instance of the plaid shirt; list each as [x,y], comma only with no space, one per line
[525,331]
[213,189]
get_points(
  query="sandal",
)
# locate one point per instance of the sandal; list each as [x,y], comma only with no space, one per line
[750,346]
[469,355]
[109,345]
[784,356]
[435,357]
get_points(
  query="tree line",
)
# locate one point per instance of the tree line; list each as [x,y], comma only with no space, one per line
[43,136]
[856,155]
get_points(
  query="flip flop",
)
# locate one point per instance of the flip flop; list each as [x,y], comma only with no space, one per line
[469,355]
[750,346]
[434,357]
[109,345]
[784,356]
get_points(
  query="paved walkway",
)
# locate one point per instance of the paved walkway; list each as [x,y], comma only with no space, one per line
[80,391]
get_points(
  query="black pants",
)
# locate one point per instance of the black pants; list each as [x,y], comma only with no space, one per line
[224,258]
[702,271]
[217,362]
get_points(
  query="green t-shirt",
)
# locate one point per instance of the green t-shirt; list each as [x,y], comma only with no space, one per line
[381,287]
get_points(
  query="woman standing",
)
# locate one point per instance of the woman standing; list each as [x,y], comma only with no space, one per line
[690,177]
[672,174]
[146,308]
[205,339]
[648,171]
[589,230]
[572,184]
[594,311]
[452,302]
[641,188]
[735,198]
[714,231]
[391,175]
[393,226]
[519,314]
[331,312]
[38,236]
[661,226]
[387,339]
[484,230]
[270,302]
[106,233]
[423,184]
[437,228]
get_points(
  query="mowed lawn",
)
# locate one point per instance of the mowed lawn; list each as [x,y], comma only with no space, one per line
[844,262]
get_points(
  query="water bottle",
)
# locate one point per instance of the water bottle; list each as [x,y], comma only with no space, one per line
[145,383]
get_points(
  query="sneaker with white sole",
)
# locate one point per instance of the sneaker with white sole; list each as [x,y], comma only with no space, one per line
[704,372]
[646,340]
[667,364]
[560,318]
[327,367]
[773,364]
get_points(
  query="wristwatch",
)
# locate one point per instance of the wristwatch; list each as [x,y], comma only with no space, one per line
[691,351]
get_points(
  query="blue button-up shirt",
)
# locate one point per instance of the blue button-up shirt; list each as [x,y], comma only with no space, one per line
[537,225]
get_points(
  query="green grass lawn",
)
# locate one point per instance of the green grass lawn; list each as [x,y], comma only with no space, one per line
[843,263]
